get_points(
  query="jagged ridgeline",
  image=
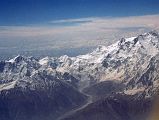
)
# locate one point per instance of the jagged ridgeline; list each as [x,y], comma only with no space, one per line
[118,82]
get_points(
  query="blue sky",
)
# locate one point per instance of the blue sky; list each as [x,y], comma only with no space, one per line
[40,12]
[56,25]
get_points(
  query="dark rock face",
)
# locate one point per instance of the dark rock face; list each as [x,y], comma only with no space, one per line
[17,104]
[50,88]
[116,107]
[149,76]
[154,33]
[2,65]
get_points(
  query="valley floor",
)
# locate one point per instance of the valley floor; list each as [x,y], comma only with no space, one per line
[71,112]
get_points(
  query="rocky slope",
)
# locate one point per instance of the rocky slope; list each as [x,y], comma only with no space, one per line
[28,91]
[130,67]
[115,107]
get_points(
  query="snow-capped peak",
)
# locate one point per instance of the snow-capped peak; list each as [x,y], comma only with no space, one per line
[16,59]
[63,58]
[125,61]
[44,61]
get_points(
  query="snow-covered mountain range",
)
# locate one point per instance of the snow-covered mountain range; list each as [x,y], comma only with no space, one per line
[131,62]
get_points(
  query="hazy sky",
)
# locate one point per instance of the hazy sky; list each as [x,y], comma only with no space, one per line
[60,24]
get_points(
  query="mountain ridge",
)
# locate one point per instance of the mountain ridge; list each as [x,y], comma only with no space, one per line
[130,66]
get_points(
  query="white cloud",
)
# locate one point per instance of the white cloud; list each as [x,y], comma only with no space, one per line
[88,32]
[79,20]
